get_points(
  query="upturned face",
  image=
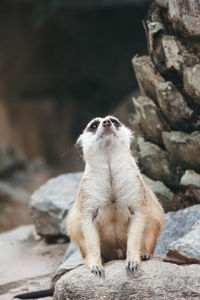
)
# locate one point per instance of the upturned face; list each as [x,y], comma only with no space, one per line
[101,133]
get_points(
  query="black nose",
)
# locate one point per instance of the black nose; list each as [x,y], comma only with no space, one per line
[106,123]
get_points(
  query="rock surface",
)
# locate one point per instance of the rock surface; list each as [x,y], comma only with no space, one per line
[151,121]
[187,248]
[190,178]
[26,263]
[155,280]
[156,163]
[51,203]
[161,191]
[177,225]
[185,16]
[191,82]
[184,147]
[173,105]
[147,76]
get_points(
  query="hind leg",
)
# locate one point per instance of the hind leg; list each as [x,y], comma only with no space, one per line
[150,239]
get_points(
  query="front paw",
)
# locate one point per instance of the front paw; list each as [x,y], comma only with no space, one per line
[132,266]
[98,270]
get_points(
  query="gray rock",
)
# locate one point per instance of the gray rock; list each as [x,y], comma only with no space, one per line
[51,203]
[184,16]
[187,248]
[161,191]
[71,260]
[177,224]
[151,120]
[156,163]
[191,82]
[184,148]
[173,57]
[10,157]
[155,280]
[147,77]
[173,105]
[190,178]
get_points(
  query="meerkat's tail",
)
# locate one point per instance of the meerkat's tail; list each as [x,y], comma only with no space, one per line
[36,294]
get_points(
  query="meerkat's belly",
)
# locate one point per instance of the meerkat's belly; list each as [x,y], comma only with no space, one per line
[112,222]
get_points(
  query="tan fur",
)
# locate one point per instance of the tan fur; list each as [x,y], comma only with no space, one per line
[105,221]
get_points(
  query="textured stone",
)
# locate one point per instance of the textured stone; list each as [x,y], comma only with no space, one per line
[26,262]
[51,203]
[71,260]
[190,178]
[185,16]
[177,224]
[148,78]
[173,105]
[184,148]
[163,193]
[191,83]
[155,280]
[151,120]
[187,248]
[156,163]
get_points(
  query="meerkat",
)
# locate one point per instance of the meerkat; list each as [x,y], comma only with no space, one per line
[115,214]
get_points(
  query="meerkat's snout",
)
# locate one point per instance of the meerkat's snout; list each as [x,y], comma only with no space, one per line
[106,123]
[107,128]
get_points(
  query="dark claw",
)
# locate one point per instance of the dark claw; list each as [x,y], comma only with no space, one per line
[98,271]
[132,267]
[145,257]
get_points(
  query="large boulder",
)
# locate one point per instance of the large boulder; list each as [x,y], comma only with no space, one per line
[155,280]
[51,202]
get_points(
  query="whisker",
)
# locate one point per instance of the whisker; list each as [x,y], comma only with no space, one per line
[64,154]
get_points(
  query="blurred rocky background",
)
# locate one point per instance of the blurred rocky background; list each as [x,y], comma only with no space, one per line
[62,62]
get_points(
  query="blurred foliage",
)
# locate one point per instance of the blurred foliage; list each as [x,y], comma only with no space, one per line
[44,9]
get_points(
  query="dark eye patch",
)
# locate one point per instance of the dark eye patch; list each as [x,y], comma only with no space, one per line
[115,122]
[94,125]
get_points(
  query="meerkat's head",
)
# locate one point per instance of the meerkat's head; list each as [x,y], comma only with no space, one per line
[101,133]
